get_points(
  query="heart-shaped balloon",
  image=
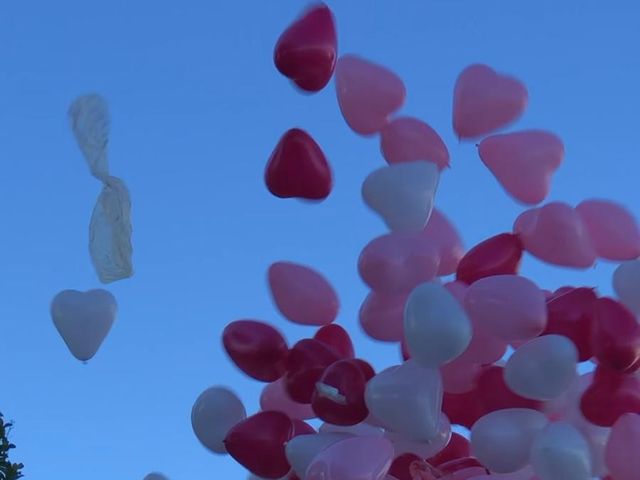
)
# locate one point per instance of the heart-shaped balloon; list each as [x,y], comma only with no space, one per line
[298,168]
[436,327]
[258,349]
[441,233]
[83,320]
[613,229]
[622,449]
[556,234]
[402,194]
[523,162]
[367,93]
[485,100]
[155,476]
[258,443]
[302,449]
[463,408]
[306,52]
[302,295]
[214,413]
[382,316]
[403,445]
[306,362]
[498,255]
[407,399]
[616,340]
[494,393]
[275,397]
[560,452]
[626,283]
[610,395]
[405,139]
[337,338]
[458,447]
[361,429]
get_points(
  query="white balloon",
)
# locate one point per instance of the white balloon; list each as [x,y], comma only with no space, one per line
[403,194]
[436,327]
[83,319]
[361,429]
[502,440]
[402,445]
[407,399]
[542,368]
[90,123]
[301,450]
[626,284]
[216,411]
[155,476]
[560,452]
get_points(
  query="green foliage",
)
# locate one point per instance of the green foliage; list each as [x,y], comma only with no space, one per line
[8,470]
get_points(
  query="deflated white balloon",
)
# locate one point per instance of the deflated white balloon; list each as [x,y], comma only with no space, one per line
[301,450]
[626,284]
[90,123]
[155,476]
[403,194]
[407,399]
[502,440]
[542,368]
[214,413]
[83,319]
[436,327]
[560,452]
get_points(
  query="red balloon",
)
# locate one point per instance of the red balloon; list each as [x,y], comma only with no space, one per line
[337,338]
[571,312]
[306,363]
[301,428]
[463,408]
[257,348]
[306,52]
[366,369]
[616,342]
[339,395]
[496,395]
[258,443]
[298,168]
[457,448]
[499,255]
[400,466]
[404,350]
[611,395]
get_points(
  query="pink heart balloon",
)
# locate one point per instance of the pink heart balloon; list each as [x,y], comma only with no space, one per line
[358,458]
[556,234]
[485,100]
[621,455]
[406,139]
[441,233]
[613,230]
[382,316]
[302,295]
[367,93]
[275,397]
[523,162]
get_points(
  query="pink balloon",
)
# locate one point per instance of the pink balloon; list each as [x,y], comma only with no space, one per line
[367,93]
[621,455]
[459,376]
[275,397]
[457,289]
[509,307]
[382,316]
[362,458]
[406,139]
[441,233]
[302,295]
[398,262]
[485,100]
[613,230]
[523,162]
[556,234]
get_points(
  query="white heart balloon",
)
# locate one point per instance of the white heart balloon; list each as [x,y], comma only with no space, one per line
[403,194]
[214,413]
[560,452]
[407,399]
[301,450]
[626,284]
[402,445]
[543,368]
[360,429]
[436,327]
[83,319]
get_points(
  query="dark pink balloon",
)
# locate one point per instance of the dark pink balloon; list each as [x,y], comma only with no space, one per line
[302,428]
[400,466]
[258,349]
[406,139]
[441,233]
[302,295]
[367,93]
[457,448]
[613,229]
[611,395]
[623,445]
[498,255]
[616,340]
[485,100]
[382,315]
[495,394]
[463,408]
[306,363]
[523,162]
[398,262]
[337,338]
[275,397]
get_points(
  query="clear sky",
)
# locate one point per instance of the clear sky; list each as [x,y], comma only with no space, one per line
[197,107]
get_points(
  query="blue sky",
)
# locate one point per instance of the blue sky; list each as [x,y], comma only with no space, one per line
[197,107]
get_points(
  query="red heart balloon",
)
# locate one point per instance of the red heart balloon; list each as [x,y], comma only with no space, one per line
[366,369]
[616,343]
[498,255]
[306,52]
[302,428]
[306,363]
[458,447]
[258,443]
[337,338]
[257,348]
[463,408]
[339,394]
[611,395]
[400,467]
[571,312]
[496,395]
[298,168]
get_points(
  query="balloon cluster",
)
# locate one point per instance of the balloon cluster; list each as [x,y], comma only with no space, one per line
[490,351]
